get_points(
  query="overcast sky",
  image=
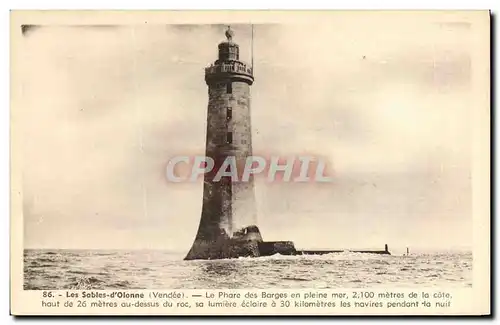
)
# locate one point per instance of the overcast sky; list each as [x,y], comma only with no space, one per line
[386,102]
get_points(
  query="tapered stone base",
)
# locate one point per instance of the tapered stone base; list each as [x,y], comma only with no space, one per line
[246,242]
[204,250]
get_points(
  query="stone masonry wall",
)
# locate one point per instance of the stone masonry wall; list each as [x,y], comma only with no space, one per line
[227,206]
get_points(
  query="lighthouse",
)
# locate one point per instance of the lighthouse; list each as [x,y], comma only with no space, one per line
[228,219]
[228,225]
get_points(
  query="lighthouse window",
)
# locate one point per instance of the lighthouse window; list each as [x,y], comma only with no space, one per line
[229,87]
[229,137]
[229,114]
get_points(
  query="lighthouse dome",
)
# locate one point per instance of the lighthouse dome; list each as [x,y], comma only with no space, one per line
[228,50]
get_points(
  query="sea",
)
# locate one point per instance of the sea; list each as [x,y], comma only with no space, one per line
[157,269]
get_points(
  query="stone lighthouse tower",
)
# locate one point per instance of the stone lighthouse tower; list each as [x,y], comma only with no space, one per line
[228,220]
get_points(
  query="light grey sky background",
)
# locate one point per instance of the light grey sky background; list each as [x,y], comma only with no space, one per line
[386,101]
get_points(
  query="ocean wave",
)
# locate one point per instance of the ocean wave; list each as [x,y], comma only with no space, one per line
[84,270]
[295,279]
[341,256]
[85,283]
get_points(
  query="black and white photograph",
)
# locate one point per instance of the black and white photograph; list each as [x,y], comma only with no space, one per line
[322,152]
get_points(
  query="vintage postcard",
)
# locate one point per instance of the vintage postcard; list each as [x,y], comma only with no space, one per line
[250,163]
